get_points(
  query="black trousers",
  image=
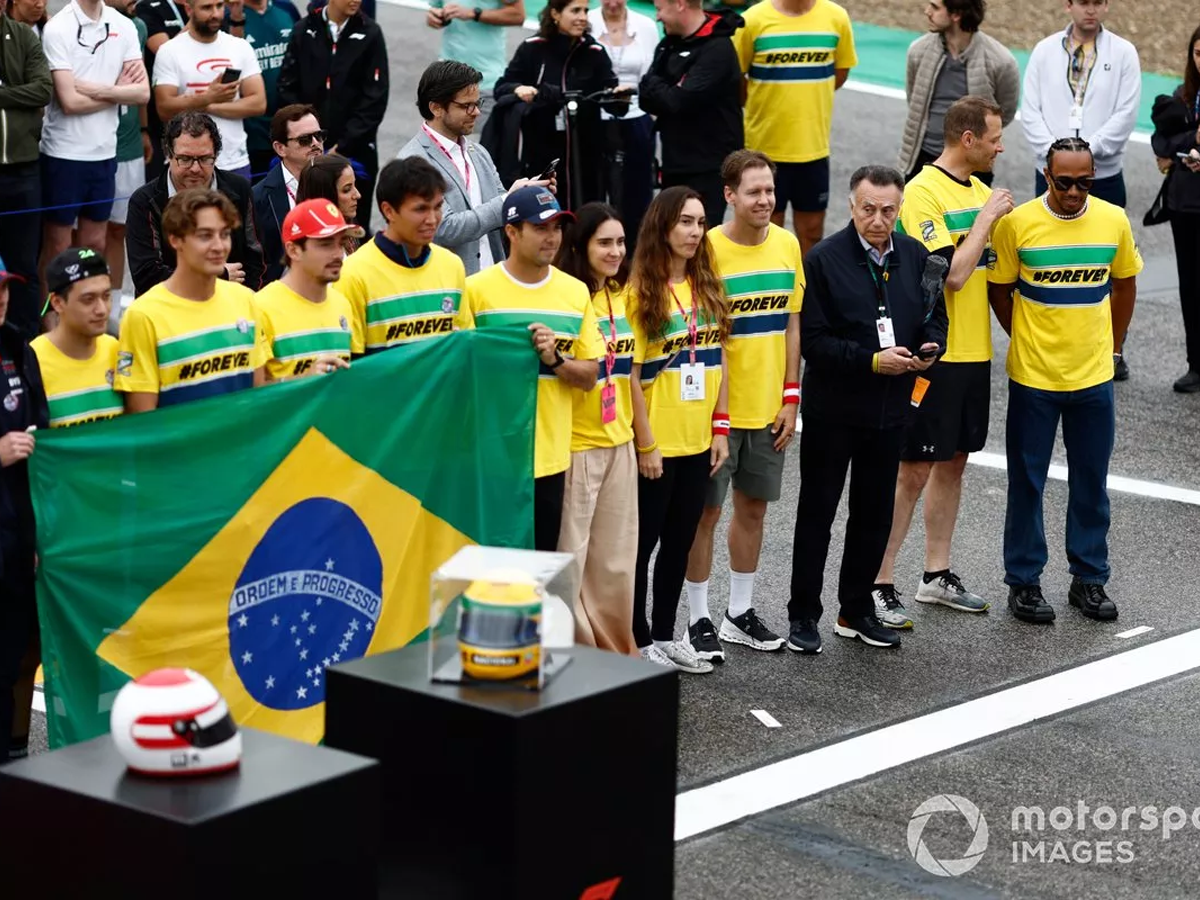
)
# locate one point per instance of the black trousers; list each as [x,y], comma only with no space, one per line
[18,628]
[708,185]
[1185,229]
[547,510]
[669,510]
[21,242]
[827,450]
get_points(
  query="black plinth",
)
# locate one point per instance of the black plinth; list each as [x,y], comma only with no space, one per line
[503,794]
[294,821]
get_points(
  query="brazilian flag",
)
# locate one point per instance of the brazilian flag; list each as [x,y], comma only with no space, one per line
[263,536]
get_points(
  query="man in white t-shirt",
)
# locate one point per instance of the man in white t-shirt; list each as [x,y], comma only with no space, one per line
[96,64]
[187,76]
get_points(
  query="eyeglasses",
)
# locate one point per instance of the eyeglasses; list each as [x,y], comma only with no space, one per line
[92,48]
[1064,183]
[477,106]
[186,162]
[306,140]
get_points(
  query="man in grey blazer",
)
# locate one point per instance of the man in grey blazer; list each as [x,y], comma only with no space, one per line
[473,222]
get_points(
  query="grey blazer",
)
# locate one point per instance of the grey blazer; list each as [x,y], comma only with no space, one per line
[463,227]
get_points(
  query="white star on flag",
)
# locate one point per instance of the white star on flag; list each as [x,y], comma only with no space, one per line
[304,616]
[274,620]
[344,646]
[270,682]
[329,565]
[293,629]
[312,629]
[303,653]
[243,621]
[247,658]
[337,657]
[301,692]
[354,624]
[325,662]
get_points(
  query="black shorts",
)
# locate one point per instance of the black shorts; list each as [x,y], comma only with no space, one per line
[804,185]
[953,416]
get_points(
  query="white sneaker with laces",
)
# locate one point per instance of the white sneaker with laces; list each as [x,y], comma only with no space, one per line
[656,656]
[685,658]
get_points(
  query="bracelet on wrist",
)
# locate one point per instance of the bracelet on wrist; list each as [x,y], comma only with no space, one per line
[791,392]
[720,423]
[650,448]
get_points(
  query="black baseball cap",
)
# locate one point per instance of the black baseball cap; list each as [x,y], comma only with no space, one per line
[72,265]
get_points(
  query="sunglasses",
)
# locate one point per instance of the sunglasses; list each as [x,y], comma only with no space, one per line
[1064,183]
[306,140]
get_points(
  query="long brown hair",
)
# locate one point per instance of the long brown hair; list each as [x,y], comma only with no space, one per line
[573,254]
[652,269]
[1191,75]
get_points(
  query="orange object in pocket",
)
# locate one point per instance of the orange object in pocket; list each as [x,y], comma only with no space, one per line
[920,386]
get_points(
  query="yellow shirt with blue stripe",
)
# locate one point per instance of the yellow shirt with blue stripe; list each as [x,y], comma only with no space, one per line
[186,350]
[297,331]
[789,63]
[1062,338]
[79,390]
[939,211]
[396,302]
[765,286]
[680,427]
[493,299]
[588,430]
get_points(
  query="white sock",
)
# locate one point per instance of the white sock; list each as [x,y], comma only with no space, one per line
[741,592]
[697,593]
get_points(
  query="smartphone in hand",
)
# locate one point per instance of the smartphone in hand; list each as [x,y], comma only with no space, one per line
[230,75]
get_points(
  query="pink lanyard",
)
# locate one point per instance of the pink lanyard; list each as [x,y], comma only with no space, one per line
[446,153]
[689,317]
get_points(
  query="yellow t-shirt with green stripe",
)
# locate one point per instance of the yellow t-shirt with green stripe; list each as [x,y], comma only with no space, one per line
[493,299]
[765,286]
[397,304]
[939,210]
[297,331]
[789,63]
[588,430]
[186,350]
[79,390]
[680,427]
[1062,338]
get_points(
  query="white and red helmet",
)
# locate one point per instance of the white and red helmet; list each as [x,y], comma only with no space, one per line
[174,722]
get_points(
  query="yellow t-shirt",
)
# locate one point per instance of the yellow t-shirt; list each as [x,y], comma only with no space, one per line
[494,298]
[589,430]
[680,427]
[938,210]
[765,286]
[186,350]
[397,304]
[789,63]
[1062,338]
[79,390]
[297,331]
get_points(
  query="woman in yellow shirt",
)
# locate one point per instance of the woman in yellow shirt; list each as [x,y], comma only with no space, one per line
[600,496]
[680,321]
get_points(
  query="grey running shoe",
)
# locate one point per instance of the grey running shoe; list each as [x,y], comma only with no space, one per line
[889,610]
[948,590]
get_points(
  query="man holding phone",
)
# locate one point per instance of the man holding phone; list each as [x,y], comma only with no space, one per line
[208,70]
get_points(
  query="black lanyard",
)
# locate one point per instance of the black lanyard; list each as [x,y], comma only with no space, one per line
[880,286]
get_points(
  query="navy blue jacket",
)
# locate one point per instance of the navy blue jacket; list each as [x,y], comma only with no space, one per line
[838,334]
[270,209]
[24,393]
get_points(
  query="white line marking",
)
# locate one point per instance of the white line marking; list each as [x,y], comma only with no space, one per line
[1115,482]
[766,718]
[39,699]
[1134,632]
[801,776]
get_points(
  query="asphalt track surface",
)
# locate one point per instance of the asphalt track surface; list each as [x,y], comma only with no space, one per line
[1120,734]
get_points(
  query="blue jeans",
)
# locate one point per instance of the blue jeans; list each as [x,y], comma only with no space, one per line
[1089,425]
[1111,188]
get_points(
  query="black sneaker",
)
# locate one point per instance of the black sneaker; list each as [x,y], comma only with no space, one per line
[1028,604]
[1188,383]
[1120,367]
[804,637]
[703,638]
[868,630]
[748,629]
[1092,601]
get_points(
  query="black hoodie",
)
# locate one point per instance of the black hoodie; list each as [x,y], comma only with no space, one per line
[694,87]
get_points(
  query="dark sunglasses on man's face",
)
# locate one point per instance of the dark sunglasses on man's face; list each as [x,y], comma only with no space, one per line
[306,140]
[1064,184]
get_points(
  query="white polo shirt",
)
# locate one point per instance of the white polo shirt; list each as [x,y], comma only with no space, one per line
[191,65]
[89,137]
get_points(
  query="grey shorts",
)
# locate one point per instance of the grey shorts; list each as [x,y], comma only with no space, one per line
[754,464]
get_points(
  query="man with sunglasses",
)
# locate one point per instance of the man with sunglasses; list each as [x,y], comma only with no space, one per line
[296,137]
[192,143]
[96,65]
[1063,287]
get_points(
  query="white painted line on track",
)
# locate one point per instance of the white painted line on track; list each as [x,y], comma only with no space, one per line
[1134,632]
[750,793]
[852,84]
[39,699]
[766,718]
[1115,482]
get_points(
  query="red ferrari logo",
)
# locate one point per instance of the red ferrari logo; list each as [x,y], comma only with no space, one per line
[602,891]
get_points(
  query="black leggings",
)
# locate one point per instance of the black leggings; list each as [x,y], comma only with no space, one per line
[669,510]
[547,510]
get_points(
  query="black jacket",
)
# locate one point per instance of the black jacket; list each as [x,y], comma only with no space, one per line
[28,399]
[349,88]
[1175,125]
[151,259]
[841,306]
[694,87]
[554,65]
[270,209]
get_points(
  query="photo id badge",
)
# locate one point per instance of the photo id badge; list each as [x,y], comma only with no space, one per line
[691,381]
[1075,119]
[608,403]
[887,336]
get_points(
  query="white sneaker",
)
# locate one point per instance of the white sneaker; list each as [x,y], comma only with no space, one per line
[948,590]
[685,658]
[656,656]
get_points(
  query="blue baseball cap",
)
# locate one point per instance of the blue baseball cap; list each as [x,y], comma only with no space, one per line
[532,203]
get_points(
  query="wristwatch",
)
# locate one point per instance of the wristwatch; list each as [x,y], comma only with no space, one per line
[478,13]
[558,360]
